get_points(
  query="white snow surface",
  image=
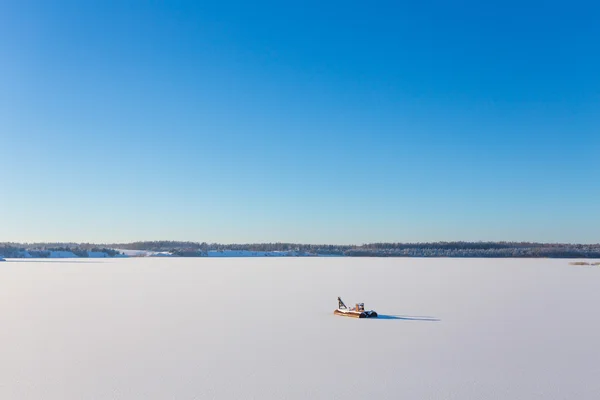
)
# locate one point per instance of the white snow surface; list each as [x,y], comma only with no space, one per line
[263,328]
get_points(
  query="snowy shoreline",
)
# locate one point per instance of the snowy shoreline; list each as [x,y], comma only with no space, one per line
[27,254]
[165,248]
[124,253]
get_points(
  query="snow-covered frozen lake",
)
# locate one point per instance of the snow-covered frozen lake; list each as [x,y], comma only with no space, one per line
[263,328]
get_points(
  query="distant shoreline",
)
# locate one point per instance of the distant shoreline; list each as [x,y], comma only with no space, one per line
[196,249]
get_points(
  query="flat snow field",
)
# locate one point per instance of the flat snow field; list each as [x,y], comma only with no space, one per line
[263,328]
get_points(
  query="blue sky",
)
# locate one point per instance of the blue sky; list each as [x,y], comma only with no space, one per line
[340,122]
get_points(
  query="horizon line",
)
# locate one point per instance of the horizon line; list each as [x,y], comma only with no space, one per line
[300,243]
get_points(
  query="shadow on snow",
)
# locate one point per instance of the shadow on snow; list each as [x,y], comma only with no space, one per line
[406,318]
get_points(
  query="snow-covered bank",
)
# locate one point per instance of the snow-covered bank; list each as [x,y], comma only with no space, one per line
[219,253]
[59,254]
[144,253]
[148,253]
[247,253]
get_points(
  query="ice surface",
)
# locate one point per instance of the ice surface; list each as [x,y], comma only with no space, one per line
[263,328]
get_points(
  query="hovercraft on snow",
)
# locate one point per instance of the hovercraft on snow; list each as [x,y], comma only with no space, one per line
[358,311]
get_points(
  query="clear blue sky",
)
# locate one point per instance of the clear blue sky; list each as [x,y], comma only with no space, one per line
[335,121]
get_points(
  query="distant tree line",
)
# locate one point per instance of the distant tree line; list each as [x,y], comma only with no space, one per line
[430,249]
[517,252]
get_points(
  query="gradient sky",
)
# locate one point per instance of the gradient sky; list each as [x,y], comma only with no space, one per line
[336,121]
